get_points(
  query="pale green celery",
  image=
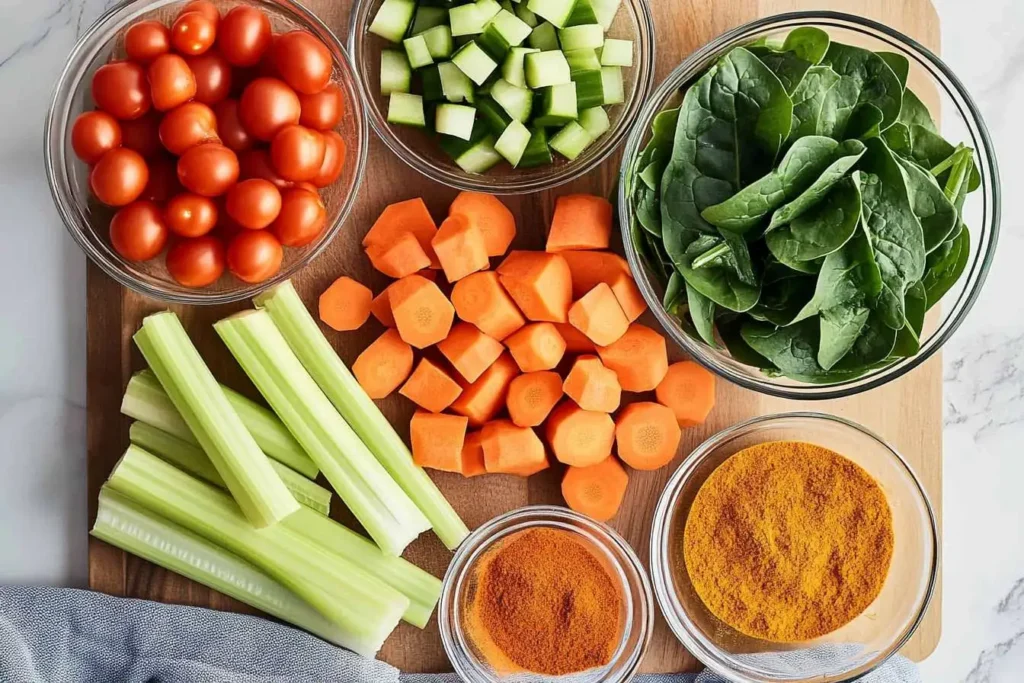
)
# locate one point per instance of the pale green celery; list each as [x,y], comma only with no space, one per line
[260,493]
[145,400]
[123,523]
[390,518]
[319,358]
[192,459]
[362,607]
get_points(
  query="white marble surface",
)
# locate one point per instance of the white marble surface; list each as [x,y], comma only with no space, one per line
[42,349]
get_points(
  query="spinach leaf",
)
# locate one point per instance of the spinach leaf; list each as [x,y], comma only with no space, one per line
[820,231]
[874,345]
[739,257]
[783,296]
[717,281]
[929,149]
[643,248]
[848,154]
[840,327]
[673,292]
[808,43]
[945,266]
[786,65]
[793,349]
[935,212]
[740,350]
[648,209]
[865,122]
[899,64]
[809,98]
[915,112]
[702,313]
[908,340]
[848,275]
[865,78]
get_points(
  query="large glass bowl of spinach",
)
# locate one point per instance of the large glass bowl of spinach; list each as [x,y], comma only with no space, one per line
[798,215]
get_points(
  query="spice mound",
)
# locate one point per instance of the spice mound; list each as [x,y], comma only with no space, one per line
[788,541]
[544,603]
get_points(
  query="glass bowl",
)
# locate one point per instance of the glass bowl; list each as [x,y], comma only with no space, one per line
[87,220]
[422,151]
[960,120]
[619,558]
[853,650]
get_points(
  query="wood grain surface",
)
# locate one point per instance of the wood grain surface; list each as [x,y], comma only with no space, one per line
[907,412]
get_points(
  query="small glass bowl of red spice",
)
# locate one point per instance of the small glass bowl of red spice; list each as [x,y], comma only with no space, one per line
[793,548]
[543,593]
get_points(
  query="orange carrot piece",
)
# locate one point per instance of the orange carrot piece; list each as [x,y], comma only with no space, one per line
[423,315]
[430,387]
[397,219]
[381,308]
[639,358]
[628,295]
[689,390]
[495,221]
[531,469]
[593,386]
[438,440]
[509,449]
[484,398]
[581,221]
[575,341]
[383,365]
[404,256]
[599,316]
[647,435]
[532,396]
[580,437]
[596,491]
[460,247]
[345,305]
[473,464]
[538,346]
[589,268]
[469,350]
[539,283]
[480,299]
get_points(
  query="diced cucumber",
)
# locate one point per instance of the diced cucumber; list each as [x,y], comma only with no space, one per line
[528,17]
[589,36]
[393,19]
[513,142]
[428,17]
[395,72]
[455,85]
[507,4]
[617,52]
[614,90]
[493,43]
[513,29]
[517,102]
[439,41]
[513,69]
[479,158]
[433,91]
[555,11]
[595,121]
[582,60]
[582,13]
[466,20]
[546,68]
[406,109]
[417,52]
[558,105]
[474,62]
[589,88]
[455,120]
[487,9]
[606,11]
[544,37]
[492,114]
[537,152]
[571,140]
[456,147]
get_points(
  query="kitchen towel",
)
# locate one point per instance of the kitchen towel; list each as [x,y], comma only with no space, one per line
[64,635]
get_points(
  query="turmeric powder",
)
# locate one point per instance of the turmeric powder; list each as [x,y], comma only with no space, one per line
[788,541]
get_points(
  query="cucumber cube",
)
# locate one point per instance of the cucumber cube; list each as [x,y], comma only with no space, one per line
[582,13]
[513,69]
[474,62]
[606,11]
[571,140]
[517,102]
[493,116]
[589,88]
[406,109]
[487,9]
[614,90]
[546,68]
[479,158]
[465,20]
[589,36]
[555,11]
[544,37]
[513,29]
[507,4]
[395,72]
[582,60]
[513,142]
[493,43]
[558,105]
[527,17]
[617,52]
[393,19]
[417,52]
[430,78]
[595,121]
[439,41]
[455,120]
[456,85]
[537,152]
[428,17]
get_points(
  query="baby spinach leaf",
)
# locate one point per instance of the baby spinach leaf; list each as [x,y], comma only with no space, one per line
[865,122]
[841,326]
[808,100]
[848,154]
[945,266]
[929,149]
[808,43]
[648,209]
[908,340]
[786,65]
[717,281]
[740,350]
[783,297]
[865,78]
[935,212]
[874,345]
[819,231]
[899,64]
[702,313]
[848,275]
[674,292]
[793,349]
[739,257]
[914,112]
[644,250]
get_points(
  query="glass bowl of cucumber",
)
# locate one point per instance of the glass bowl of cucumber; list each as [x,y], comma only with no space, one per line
[503,96]
[825,235]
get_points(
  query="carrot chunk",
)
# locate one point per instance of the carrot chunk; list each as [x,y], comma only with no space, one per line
[423,315]
[593,386]
[437,440]
[589,268]
[381,308]
[397,219]
[469,350]
[532,396]
[575,341]
[581,221]
[536,347]
[509,449]
[430,387]
[404,256]
[596,491]
[628,295]
[484,398]
[689,390]
[539,283]
[639,358]
[473,464]
[599,316]
[580,437]
[459,245]
[383,365]
[345,305]
[495,221]
[647,435]
[480,299]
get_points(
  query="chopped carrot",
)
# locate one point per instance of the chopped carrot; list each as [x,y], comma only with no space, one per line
[647,435]
[580,437]
[459,245]
[532,396]
[531,469]
[539,283]
[493,218]
[596,491]
[484,398]
[383,365]
[480,299]
[509,449]
[381,308]
[473,464]
[639,358]
[588,268]
[593,386]
[423,315]
[599,316]
[401,257]
[538,346]
[575,341]
[581,221]
[345,305]
[469,350]
[397,219]
[689,390]
[628,295]
[430,387]
[437,440]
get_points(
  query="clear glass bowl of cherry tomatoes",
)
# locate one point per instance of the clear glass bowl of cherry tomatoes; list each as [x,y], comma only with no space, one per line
[201,151]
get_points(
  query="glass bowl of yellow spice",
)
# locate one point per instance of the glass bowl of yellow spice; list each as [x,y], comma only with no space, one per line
[794,547]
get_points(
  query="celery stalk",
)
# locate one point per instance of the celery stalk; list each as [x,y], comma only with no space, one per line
[258,489]
[319,358]
[390,518]
[145,400]
[362,607]
[192,459]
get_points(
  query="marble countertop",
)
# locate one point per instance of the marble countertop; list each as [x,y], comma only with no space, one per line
[42,349]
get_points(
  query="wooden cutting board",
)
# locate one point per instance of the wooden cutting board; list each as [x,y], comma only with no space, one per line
[908,413]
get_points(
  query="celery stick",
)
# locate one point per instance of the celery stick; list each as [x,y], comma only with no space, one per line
[258,489]
[309,344]
[146,401]
[192,459]
[363,608]
[381,506]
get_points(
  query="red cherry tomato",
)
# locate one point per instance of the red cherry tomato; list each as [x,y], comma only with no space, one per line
[196,262]
[204,7]
[120,89]
[146,40]
[267,106]
[193,33]
[213,76]
[322,110]
[142,135]
[230,130]
[137,232]
[163,180]
[254,256]
[302,218]
[255,163]
[190,215]
[171,82]
[244,35]
[119,177]
[209,170]
[303,61]
[191,124]
[94,134]
[253,203]
[334,159]
[298,153]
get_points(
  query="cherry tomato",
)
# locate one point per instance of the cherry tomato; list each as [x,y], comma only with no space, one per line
[171,82]
[94,134]
[302,218]
[196,262]
[204,7]
[230,130]
[147,40]
[163,180]
[209,170]
[137,231]
[298,153]
[334,159]
[322,110]
[254,256]
[193,123]
[213,76]
[142,135]
[255,163]
[193,33]
[120,89]
[244,35]
[190,215]
[303,61]
[253,203]
[119,177]
[267,106]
